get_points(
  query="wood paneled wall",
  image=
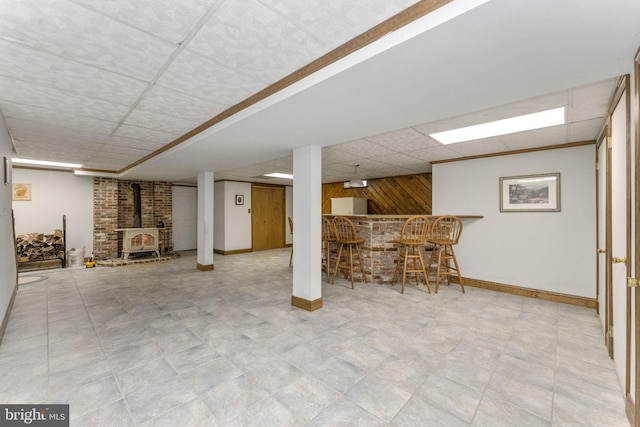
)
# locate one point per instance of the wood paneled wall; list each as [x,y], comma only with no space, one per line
[401,195]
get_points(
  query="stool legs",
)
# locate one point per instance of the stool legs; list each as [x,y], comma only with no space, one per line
[443,255]
[327,258]
[348,262]
[418,266]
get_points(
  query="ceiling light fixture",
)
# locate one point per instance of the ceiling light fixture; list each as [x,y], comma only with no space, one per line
[356,181]
[523,123]
[279,175]
[45,163]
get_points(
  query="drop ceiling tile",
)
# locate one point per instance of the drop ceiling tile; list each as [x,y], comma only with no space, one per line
[204,77]
[554,135]
[83,149]
[20,92]
[400,171]
[176,104]
[479,147]
[62,135]
[426,167]
[281,166]
[435,153]
[370,165]
[108,161]
[104,163]
[333,154]
[52,71]
[143,134]
[160,122]
[120,157]
[403,140]
[444,125]
[52,128]
[401,159]
[249,36]
[135,143]
[365,148]
[528,106]
[41,116]
[327,179]
[592,101]
[334,22]
[53,152]
[585,130]
[121,150]
[533,105]
[169,20]
[338,170]
[76,33]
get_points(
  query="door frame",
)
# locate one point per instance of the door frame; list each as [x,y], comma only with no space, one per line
[622,95]
[633,408]
[630,395]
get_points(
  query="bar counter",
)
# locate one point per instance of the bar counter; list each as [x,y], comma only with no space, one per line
[379,254]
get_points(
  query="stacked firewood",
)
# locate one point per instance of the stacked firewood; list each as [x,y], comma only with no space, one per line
[40,247]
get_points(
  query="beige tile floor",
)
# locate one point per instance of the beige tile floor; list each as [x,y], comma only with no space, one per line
[166,344]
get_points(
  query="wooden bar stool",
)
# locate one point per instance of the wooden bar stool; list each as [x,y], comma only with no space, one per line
[347,239]
[445,233]
[328,240]
[413,237]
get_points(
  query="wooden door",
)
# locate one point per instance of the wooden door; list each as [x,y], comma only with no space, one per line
[267,217]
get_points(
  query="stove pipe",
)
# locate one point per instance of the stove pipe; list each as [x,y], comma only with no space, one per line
[137,205]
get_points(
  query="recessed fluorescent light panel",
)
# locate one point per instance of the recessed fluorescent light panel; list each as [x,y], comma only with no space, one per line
[539,120]
[45,163]
[279,175]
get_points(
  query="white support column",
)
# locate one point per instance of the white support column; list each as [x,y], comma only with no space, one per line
[205,221]
[307,230]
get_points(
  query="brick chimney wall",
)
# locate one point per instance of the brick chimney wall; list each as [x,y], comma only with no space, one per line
[113,209]
[105,217]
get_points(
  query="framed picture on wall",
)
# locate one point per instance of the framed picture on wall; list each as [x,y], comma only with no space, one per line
[22,192]
[239,199]
[6,170]
[530,193]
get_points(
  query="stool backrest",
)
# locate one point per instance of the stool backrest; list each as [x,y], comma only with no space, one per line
[327,230]
[344,229]
[445,230]
[415,229]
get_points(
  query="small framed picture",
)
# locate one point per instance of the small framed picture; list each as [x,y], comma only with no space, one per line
[239,199]
[530,193]
[22,192]
[6,171]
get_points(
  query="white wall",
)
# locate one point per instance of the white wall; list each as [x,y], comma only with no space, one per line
[232,223]
[54,194]
[8,279]
[218,215]
[551,251]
